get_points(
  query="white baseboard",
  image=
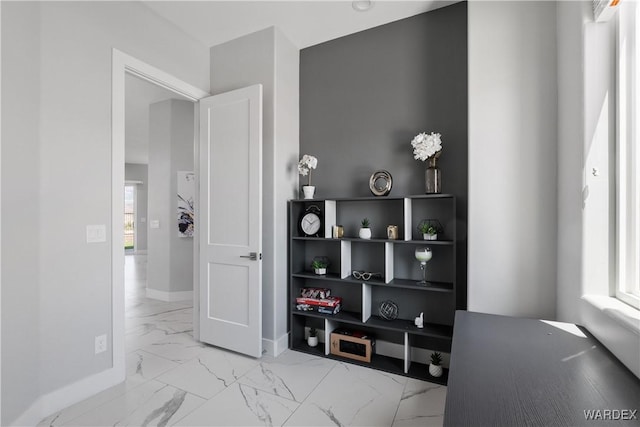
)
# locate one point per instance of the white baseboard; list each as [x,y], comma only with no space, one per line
[69,395]
[275,348]
[170,296]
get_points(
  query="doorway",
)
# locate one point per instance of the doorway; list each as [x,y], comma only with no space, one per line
[124,66]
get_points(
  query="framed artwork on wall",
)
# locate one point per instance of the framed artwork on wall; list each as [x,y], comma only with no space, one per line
[186,194]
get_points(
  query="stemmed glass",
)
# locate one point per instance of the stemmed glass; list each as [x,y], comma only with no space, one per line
[423,255]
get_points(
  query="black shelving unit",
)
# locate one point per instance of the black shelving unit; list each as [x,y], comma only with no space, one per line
[401,347]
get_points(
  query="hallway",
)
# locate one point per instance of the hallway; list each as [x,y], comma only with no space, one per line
[174,380]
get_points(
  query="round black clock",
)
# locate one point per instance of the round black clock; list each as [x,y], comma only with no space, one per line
[311,221]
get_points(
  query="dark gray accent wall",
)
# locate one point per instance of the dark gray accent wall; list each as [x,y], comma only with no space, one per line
[365,96]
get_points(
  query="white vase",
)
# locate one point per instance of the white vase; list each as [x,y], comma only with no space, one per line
[435,370]
[309,191]
[365,233]
[430,236]
[312,341]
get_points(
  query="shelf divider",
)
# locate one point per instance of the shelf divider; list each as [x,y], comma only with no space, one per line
[329,217]
[407,353]
[329,327]
[408,230]
[388,262]
[367,295]
[345,259]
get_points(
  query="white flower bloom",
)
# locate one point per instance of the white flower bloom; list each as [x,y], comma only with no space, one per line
[426,145]
[306,164]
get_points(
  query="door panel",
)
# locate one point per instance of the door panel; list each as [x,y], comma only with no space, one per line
[219,307]
[230,127]
[231,208]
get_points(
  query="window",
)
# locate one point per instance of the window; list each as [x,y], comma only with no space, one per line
[628,155]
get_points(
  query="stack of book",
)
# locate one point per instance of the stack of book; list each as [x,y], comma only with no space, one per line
[319,300]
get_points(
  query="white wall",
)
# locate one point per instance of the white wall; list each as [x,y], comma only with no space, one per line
[139,172]
[171,143]
[268,57]
[285,179]
[20,207]
[512,158]
[57,88]
[572,17]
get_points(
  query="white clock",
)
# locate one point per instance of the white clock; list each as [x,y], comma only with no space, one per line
[310,222]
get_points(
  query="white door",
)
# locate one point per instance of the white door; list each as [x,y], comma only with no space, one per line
[230,227]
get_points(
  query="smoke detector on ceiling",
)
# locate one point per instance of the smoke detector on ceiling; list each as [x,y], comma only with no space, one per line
[362,5]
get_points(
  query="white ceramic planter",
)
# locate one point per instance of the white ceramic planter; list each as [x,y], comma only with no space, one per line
[435,370]
[309,191]
[321,271]
[312,341]
[430,236]
[365,233]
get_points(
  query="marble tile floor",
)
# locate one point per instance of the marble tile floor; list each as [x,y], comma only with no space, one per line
[173,380]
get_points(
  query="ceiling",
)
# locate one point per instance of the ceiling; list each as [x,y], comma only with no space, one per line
[305,23]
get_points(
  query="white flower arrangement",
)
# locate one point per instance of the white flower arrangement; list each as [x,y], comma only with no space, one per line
[306,164]
[426,145]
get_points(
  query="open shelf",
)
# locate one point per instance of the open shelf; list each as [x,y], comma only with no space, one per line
[313,276]
[343,316]
[395,241]
[394,260]
[376,198]
[380,362]
[421,371]
[400,325]
[432,286]
[413,284]
[425,242]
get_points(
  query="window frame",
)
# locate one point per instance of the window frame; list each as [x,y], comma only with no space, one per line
[627,286]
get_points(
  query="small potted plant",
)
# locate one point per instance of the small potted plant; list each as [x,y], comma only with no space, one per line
[365,231]
[429,232]
[435,368]
[319,266]
[430,229]
[313,337]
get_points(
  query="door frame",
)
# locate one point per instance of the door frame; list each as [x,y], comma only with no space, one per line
[123,64]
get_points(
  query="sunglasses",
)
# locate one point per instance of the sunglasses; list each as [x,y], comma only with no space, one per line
[365,275]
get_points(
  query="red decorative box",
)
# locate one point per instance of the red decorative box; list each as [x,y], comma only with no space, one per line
[323,302]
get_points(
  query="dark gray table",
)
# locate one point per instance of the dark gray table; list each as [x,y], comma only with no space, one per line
[508,371]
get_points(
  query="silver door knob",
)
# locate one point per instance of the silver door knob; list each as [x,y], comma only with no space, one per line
[253,256]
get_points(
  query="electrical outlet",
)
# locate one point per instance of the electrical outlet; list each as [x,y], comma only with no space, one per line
[101,344]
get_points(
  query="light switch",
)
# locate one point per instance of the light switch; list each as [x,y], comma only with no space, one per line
[143,219]
[154,223]
[96,233]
